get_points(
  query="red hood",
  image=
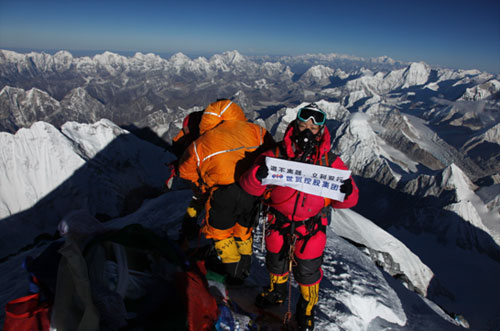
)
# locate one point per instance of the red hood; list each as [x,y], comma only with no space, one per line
[324,141]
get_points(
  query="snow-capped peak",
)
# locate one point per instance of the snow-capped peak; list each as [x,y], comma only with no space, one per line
[482,91]
[364,152]
[318,74]
[233,57]
[416,74]
[108,58]
[453,178]
[179,59]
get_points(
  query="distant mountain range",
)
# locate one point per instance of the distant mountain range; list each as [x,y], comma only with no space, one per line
[423,143]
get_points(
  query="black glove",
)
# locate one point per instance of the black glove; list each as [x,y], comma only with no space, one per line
[346,187]
[190,228]
[262,172]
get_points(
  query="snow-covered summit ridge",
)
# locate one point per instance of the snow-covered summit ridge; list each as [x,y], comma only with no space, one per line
[483,91]
[350,225]
[492,135]
[36,161]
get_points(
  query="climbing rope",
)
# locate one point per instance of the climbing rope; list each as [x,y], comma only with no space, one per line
[291,263]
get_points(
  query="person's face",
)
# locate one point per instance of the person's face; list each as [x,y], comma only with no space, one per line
[309,125]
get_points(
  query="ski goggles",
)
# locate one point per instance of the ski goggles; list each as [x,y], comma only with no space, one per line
[317,115]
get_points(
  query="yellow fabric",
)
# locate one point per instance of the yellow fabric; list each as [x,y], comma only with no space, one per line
[311,295]
[227,250]
[244,246]
[191,212]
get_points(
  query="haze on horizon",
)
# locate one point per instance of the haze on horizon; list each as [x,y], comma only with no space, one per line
[455,34]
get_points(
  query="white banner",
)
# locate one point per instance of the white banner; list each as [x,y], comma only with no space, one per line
[308,178]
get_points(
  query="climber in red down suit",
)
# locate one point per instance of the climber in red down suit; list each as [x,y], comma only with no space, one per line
[306,139]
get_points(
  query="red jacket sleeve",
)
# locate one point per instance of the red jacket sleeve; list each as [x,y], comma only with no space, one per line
[352,199]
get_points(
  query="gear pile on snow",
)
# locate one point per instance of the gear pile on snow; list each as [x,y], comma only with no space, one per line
[100,279]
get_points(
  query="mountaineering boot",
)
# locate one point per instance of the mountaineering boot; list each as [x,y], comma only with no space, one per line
[275,294]
[304,313]
[238,272]
[245,250]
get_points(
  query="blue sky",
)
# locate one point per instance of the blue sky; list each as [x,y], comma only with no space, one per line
[449,33]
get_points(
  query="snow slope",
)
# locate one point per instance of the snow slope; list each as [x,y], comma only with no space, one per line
[354,294]
[96,166]
[354,227]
